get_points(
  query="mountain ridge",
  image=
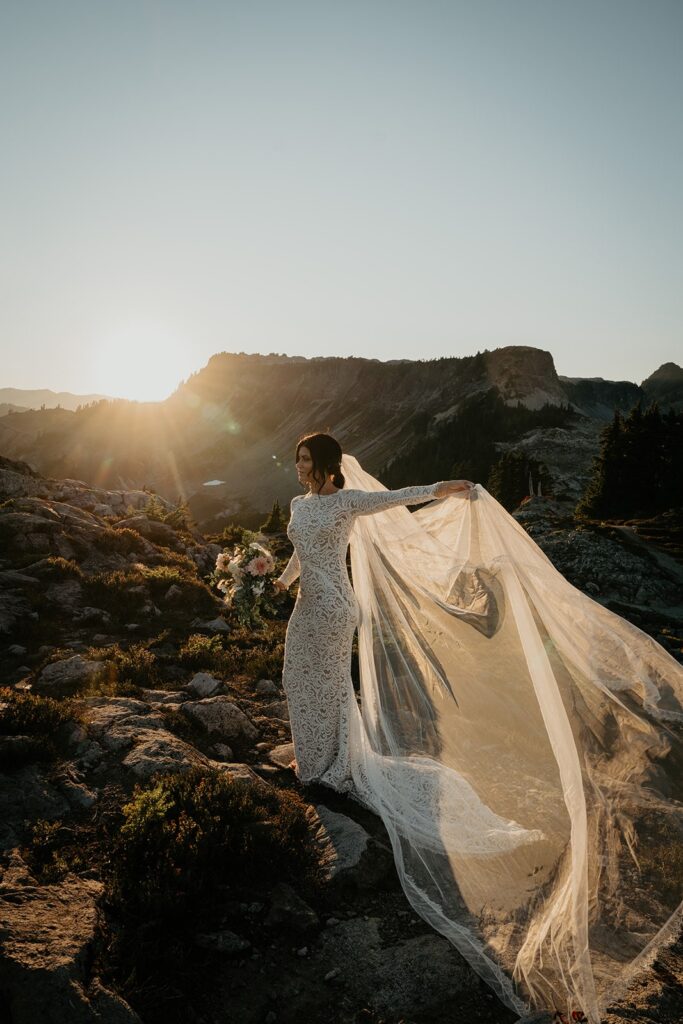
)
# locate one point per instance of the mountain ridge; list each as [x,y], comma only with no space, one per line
[237,419]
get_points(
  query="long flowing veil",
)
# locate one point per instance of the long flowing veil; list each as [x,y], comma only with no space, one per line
[523,746]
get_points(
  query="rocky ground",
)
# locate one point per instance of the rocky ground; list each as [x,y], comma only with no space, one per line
[98,603]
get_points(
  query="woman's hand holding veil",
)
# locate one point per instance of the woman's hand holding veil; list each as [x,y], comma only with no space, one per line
[463,488]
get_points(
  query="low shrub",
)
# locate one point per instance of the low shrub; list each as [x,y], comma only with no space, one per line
[42,718]
[118,591]
[123,541]
[57,567]
[53,851]
[202,652]
[185,837]
[182,853]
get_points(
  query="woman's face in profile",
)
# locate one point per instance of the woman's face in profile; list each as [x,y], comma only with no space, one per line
[304,465]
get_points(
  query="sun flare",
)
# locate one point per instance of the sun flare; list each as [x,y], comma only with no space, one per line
[144,361]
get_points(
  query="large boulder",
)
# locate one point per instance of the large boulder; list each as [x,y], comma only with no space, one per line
[162,752]
[69,674]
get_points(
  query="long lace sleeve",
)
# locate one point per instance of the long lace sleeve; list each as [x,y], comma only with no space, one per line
[291,570]
[366,503]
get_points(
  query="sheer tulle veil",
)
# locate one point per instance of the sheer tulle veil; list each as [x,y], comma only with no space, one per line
[523,746]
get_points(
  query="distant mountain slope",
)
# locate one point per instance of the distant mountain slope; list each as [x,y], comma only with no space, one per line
[236,421]
[27,398]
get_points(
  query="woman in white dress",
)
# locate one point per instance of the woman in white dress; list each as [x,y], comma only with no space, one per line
[317,663]
[521,742]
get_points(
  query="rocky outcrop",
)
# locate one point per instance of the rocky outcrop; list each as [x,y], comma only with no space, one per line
[525,374]
[47,933]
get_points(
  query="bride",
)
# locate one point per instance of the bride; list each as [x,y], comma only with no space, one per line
[520,742]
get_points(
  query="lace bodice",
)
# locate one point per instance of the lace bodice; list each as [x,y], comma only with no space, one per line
[320,526]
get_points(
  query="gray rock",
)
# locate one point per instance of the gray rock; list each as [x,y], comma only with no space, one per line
[223,752]
[162,751]
[280,709]
[350,856]
[165,696]
[282,755]
[26,796]
[203,684]
[88,614]
[117,721]
[221,715]
[65,595]
[69,674]
[17,650]
[90,756]
[77,793]
[217,625]
[266,688]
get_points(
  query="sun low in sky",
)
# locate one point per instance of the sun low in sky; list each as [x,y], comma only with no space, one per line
[390,179]
[140,359]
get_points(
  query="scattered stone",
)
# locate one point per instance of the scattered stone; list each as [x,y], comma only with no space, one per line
[165,696]
[203,684]
[266,688]
[280,709]
[88,615]
[221,715]
[282,755]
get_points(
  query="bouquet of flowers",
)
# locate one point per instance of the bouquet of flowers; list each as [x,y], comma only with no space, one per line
[243,575]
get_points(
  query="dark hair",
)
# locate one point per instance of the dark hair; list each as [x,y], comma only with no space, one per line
[326,454]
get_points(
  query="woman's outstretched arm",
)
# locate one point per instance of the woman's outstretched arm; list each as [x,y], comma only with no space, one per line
[364,503]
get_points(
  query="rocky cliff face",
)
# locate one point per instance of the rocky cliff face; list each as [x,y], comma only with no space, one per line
[225,440]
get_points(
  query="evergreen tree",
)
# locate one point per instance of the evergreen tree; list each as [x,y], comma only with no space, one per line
[154,509]
[639,470]
[276,522]
[508,479]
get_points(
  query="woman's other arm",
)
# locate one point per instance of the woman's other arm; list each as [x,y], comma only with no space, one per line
[290,572]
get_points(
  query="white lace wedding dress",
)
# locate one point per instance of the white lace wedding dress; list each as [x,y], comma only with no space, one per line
[317,663]
[520,741]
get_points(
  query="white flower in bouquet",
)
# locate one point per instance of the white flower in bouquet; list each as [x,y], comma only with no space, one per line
[234,568]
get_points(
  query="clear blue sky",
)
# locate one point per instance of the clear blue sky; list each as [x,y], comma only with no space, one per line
[379,178]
